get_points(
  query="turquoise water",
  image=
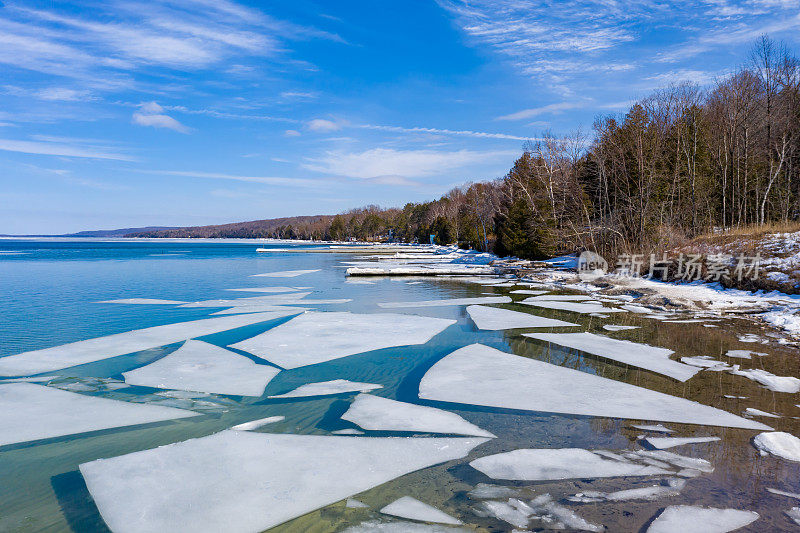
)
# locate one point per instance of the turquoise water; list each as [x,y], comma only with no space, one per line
[48,296]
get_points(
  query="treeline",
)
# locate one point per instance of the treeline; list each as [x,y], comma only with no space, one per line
[681,162]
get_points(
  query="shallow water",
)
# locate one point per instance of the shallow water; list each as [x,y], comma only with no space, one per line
[48,295]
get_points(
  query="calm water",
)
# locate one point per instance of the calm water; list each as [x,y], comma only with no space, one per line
[48,295]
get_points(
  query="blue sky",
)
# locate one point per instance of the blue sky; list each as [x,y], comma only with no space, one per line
[185,112]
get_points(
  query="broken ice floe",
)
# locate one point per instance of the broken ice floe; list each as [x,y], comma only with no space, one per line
[707,362]
[446,302]
[662,443]
[750,411]
[31,412]
[199,366]
[269,290]
[413,509]
[377,413]
[794,514]
[559,298]
[241,481]
[504,511]
[659,457]
[252,301]
[576,307]
[743,354]
[241,309]
[670,487]
[373,526]
[285,274]
[630,353]
[255,424]
[529,292]
[81,352]
[355,504]
[550,464]
[481,375]
[552,515]
[779,444]
[326,388]
[691,519]
[142,301]
[771,381]
[611,327]
[483,491]
[794,495]
[495,318]
[347,431]
[657,428]
[318,337]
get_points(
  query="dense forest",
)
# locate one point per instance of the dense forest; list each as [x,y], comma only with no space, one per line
[684,161]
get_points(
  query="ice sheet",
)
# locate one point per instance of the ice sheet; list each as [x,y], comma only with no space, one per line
[142,301]
[758,412]
[794,514]
[775,383]
[324,388]
[451,301]
[657,428]
[285,274]
[481,375]
[662,443]
[611,327]
[672,487]
[413,509]
[779,444]
[559,298]
[251,301]
[373,526]
[494,318]
[31,412]
[529,292]
[268,290]
[240,481]
[561,463]
[576,307]
[691,519]
[377,413]
[202,367]
[794,495]
[255,424]
[644,356]
[81,352]
[317,337]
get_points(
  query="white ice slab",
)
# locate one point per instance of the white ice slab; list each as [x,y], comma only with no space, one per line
[644,356]
[481,375]
[559,298]
[554,515]
[707,362]
[612,327]
[794,514]
[81,352]
[529,292]
[284,274]
[317,337]
[251,301]
[240,481]
[382,414]
[750,411]
[657,428]
[202,367]
[374,526]
[261,422]
[575,307]
[268,290]
[355,504]
[561,463]
[483,491]
[675,459]
[794,495]
[240,309]
[142,301]
[771,381]
[743,354]
[325,388]
[494,318]
[446,302]
[691,519]
[673,487]
[779,444]
[31,412]
[413,509]
[662,443]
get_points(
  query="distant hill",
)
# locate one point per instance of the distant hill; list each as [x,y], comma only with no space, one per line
[122,232]
[302,227]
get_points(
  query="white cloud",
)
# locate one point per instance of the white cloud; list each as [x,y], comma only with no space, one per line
[151,114]
[321,125]
[437,131]
[291,133]
[543,110]
[59,149]
[63,94]
[386,162]
[266,180]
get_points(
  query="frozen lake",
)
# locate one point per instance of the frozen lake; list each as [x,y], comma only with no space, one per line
[300,353]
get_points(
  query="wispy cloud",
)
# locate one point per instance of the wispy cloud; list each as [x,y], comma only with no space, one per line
[543,110]
[60,149]
[321,125]
[439,131]
[385,162]
[265,180]
[151,114]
